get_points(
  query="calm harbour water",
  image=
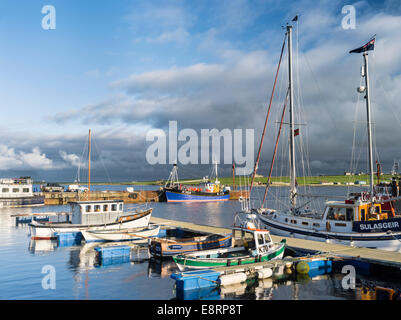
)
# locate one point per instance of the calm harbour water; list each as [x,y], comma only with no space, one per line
[78,276]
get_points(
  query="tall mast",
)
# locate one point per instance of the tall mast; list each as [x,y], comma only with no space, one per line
[89,164]
[367,97]
[215,169]
[293,188]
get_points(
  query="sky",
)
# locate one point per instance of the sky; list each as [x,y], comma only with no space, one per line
[123,68]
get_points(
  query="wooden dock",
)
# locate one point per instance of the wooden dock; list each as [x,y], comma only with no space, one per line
[140,196]
[373,256]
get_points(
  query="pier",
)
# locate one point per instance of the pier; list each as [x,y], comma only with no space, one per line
[366,255]
[140,196]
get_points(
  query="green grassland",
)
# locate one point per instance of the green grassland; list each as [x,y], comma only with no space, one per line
[314,180]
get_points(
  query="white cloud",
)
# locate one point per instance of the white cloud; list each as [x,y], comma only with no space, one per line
[71,159]
[10,159]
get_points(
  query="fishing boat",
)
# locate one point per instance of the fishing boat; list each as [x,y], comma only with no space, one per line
[251,245]
[204,191]
[181,241]
[18,192]
[359,220]
[132,234]
[94,215]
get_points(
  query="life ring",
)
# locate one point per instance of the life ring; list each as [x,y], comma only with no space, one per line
[328,226]
[60,195]
[53,195]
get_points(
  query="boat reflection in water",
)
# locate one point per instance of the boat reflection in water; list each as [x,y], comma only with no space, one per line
[161,268]
[42,246]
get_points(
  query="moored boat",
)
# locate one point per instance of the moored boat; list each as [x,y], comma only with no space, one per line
[94,215]
[251,245]
[18,192]
[132,234]
[204,191]
[168,247]
[363,219]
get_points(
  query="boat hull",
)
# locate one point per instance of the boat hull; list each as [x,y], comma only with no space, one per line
[194,261]
[179,196]
[22,202]
[166,248]
[390,241]
[46,231]
[135,234]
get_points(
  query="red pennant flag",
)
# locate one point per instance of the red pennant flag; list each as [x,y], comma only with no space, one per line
[296,132]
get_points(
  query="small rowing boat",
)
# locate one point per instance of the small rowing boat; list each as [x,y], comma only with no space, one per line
[132,234]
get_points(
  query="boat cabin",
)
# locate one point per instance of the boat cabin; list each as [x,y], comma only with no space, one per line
[353,210]
[96,212]
[16,187]
[257,241]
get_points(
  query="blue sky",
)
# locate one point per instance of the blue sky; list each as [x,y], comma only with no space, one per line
[124,67]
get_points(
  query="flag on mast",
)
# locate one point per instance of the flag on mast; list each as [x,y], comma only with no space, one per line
[369,46]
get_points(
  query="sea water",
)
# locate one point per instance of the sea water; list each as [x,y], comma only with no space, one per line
[44,269]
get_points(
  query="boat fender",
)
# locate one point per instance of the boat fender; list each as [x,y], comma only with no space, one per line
[265,273]
[53,195]
[328,226]
[229,279]
[60,195]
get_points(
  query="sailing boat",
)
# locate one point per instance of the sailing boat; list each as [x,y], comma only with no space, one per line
[93,215]
[359,220]
[205,191]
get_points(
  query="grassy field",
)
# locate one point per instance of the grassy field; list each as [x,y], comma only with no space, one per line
[316,180]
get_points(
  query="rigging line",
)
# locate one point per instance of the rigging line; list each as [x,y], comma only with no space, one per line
[275,150]
[267,117]
[354,138]
[320,92]
[77,177]
[101,160]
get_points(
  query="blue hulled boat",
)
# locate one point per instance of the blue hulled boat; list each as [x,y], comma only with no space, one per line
[205,191]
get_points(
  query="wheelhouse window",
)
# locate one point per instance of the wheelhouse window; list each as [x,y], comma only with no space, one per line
[5,190]
[15,190]
[105,207]
[340,214]
[97,208]
[121,207]
[88,209]
[237,234]
[25,190]
[260,239]
[113,207]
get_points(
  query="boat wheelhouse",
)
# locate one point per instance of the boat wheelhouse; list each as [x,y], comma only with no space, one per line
[18,192]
